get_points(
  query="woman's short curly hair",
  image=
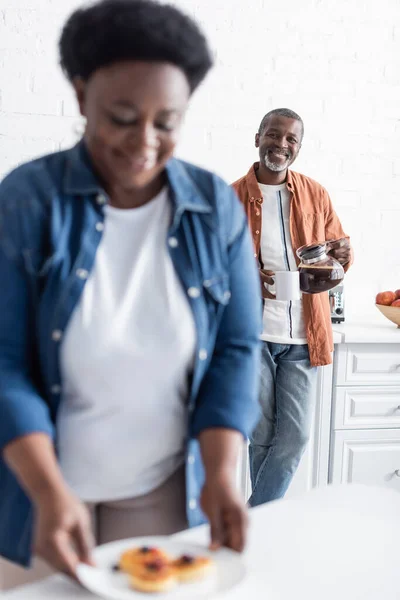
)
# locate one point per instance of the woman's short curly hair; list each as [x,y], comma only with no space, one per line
[144,30]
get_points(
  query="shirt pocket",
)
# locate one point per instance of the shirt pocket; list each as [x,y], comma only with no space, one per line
[314,226]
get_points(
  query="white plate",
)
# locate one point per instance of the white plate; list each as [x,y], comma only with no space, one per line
[101,580]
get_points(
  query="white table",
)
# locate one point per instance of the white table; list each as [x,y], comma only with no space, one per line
[336,543]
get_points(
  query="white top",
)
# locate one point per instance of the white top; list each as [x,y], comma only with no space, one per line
[126,358]
[283,322]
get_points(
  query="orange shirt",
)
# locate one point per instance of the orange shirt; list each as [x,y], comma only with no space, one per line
[312,219]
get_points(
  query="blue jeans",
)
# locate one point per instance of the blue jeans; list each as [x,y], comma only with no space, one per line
[287,395]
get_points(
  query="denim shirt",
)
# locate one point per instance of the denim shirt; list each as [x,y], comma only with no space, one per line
[50,215]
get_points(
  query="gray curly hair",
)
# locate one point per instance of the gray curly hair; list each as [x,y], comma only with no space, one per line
[281,112]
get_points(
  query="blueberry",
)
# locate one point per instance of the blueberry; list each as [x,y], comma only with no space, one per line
[154,566]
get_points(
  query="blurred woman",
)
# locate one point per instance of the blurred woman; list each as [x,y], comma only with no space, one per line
[129,308]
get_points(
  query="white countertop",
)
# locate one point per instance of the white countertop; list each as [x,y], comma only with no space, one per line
[371,329]
[332,543]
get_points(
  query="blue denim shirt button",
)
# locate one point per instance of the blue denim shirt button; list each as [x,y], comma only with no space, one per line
[193,292]
[99,226]
[82,273]
[173,242]
[56,335]
[192,504]
[203,354]
[101,199]
[55,389]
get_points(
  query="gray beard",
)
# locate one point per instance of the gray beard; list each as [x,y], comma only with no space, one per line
[274,166]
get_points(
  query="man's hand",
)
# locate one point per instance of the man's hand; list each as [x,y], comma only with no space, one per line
[226,512]
[267,277]
[63,535]
[341,250]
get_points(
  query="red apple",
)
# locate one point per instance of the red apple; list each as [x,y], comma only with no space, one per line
[385,298]
[397,294]
[396,303]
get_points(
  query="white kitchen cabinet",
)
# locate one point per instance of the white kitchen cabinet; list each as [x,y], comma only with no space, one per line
[365,432]
[371,457]
[364,407]
[367,364]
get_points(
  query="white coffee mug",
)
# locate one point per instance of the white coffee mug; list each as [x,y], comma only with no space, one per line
[287,285]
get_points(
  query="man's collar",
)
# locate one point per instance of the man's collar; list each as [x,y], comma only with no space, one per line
[253,185]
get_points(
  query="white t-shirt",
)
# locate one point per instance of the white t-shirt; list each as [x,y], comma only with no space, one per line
[126,359]
[283,322]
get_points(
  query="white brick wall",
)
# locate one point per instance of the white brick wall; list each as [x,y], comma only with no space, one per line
[335,62]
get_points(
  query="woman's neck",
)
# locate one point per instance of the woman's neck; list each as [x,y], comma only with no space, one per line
[121,197]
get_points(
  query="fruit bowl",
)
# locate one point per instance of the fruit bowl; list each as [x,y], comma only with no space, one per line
[390,312]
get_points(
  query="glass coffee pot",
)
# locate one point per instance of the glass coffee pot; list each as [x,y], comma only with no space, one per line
[319,272]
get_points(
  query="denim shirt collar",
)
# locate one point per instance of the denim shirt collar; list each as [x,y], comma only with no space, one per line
[80,179]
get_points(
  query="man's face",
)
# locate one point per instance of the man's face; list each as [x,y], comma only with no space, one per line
[279,143]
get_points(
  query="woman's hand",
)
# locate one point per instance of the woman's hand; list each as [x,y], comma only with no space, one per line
[220,500]
[226,512]
[63,535]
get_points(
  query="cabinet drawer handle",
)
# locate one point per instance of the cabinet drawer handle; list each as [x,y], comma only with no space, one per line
[397,472]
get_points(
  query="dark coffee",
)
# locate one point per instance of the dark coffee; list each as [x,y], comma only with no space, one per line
[314,279]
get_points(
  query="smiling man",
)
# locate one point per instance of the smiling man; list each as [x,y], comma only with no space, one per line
[286,210]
